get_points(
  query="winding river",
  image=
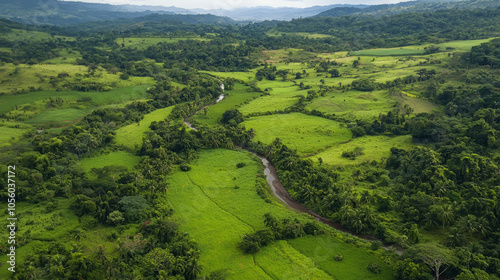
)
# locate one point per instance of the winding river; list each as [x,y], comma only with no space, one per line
[281,193]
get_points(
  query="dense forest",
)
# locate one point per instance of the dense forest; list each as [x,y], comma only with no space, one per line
[129,165]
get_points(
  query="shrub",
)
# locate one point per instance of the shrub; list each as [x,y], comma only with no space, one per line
[338,257]
[88,222]
[376,245]
[241,164]
[374,268]
[185,167]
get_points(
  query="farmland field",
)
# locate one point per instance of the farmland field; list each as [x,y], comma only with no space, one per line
[114,96]
[119,158]
[365,105]
[388,52]
[9,134]
[216,214]
[322,250]
[233,98]
[374,148]
[307,134]
[131,135]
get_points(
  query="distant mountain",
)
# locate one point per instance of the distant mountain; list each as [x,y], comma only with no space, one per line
[411,6]
[144,8]
[270,13]
[64,13]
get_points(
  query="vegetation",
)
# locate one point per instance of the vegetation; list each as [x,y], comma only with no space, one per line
[386,124]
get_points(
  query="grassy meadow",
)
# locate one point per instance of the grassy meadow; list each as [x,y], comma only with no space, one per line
[118,158]
[364,105]
[217,203]
[131,135]
[307,134]
[374,148]
[232,98]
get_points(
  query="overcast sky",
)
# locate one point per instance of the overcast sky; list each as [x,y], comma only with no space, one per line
[231,4]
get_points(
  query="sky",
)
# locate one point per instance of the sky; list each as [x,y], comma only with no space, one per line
[232,4]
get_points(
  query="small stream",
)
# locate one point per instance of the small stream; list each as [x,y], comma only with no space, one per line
[282,194]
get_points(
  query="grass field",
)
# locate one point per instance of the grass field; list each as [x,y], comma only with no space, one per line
[62,116]
[322,249]
[21,34]
[282,261]
[217,215]
[243,76]
[114,96]
[23,76]
[374,148]
[365,105]
[131,135]
[307,134]
[9,135]
[388,52]
[233,98]
[119,158]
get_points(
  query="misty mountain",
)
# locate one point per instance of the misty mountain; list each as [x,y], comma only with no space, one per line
[270,13]
[65,13]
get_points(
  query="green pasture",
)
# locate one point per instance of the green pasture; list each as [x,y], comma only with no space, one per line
[389,52]
[119,158]
[281,96]
[233,99]
[418,105]
[9,134]
[131,135]
[323,249]
[62,116]
[145,42]
[282,261]
[21,35]
[114,96]
[23,76]
[308,134]
[243,76]
[66,56]
[5,49]
[217,214]
[364,105]
[374,148]
[464,45]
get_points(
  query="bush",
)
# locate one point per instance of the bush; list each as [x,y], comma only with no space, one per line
[115,218]
[88,222]
[185,167]
[338,257]
[374,268]
[241,164]
[376,245]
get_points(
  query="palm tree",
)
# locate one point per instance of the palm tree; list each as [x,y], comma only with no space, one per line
[193,269]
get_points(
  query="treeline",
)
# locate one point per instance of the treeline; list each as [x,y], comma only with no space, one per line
[486,54]
[403,29]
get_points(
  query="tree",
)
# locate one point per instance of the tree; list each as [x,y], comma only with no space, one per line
[115,218]
[437,257]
